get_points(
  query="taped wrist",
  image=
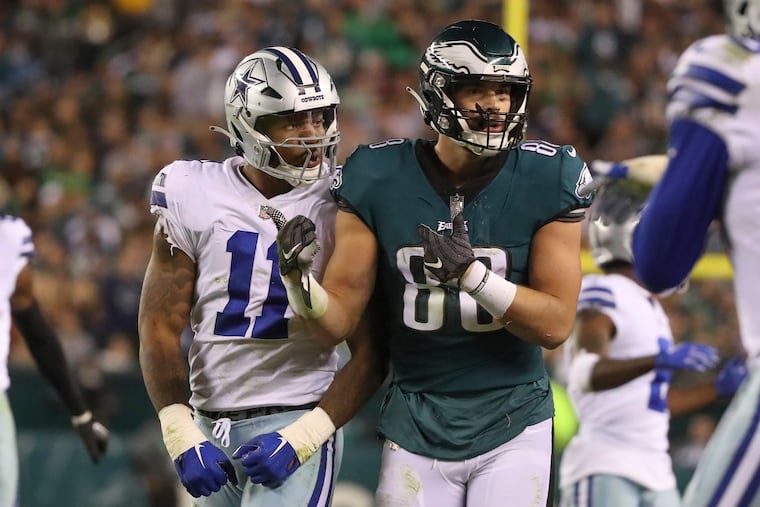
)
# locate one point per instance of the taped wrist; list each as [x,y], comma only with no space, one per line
[308,433]
[307,298]
[178,429]
[81,419]
[581,369]
[489,290]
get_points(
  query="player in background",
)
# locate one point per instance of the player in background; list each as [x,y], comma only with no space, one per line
[621,358]
[713,172]
[253,367]
[19,305]
[472,242]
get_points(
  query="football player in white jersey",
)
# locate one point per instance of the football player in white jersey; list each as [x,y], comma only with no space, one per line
[253,367]
[713,172]
[621,357]
[19,305]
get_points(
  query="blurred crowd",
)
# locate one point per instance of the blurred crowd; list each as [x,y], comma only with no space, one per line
[97,95]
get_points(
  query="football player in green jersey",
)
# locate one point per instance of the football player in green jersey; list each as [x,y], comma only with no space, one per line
[471,244]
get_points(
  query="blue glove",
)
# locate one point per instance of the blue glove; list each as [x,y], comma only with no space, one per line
[268,459]
[686,356]
[731,376]
[204,469]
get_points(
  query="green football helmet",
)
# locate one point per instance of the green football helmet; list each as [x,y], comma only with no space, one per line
[474,51]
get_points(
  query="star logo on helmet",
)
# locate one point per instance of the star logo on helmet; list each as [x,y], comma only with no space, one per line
[253,76]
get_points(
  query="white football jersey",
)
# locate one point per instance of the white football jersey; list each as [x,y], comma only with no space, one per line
[16,248]
[248,349]
[717,83]
[622,431]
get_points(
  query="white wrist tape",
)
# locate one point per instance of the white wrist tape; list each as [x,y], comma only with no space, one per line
[491,291]
[308,433]
[581,369]
[178,429]
[82,418]
[307,298]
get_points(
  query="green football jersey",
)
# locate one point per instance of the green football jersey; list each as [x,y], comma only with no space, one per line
[462,384]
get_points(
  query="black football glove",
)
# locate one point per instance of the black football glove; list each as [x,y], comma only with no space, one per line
[297,244]
[447,257]
[94,436]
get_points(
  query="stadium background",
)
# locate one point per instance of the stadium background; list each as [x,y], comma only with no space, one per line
[96,96]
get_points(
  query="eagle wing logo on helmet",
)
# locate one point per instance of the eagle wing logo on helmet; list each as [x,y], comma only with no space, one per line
[253,75]
[457,55]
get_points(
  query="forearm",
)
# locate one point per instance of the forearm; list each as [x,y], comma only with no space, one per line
[163,368]
[539,318]
[670,236]
[165,303]
[611,373]
[684,400]
[543,310]
[49,357]
[331,312]
[343,314]
[354,385]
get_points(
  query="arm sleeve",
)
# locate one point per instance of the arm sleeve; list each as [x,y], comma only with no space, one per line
[48,354]
[670,237]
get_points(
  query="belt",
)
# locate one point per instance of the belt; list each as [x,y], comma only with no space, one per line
[249,413]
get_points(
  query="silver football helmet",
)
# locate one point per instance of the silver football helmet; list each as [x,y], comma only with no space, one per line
[281,81]
[474,51]
[743,17]
[616,211]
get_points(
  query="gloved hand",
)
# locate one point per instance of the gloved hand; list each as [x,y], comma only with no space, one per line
[447,257]
[731,376]
[297,244]
[603,171]
[93,434]
[609,170]
[685,356]
[268,459]
[204,469]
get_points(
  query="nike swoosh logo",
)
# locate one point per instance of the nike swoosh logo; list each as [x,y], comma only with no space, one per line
[198,453]
[289,254]
[571,151]
[282,444]
[435,265]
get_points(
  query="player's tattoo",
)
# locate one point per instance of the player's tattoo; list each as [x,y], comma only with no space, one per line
[165,309]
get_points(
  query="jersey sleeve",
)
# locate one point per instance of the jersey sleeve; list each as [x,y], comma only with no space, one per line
[353,184]
[168,202]
[574,175]
[705,85]
[597,294]
[705,98]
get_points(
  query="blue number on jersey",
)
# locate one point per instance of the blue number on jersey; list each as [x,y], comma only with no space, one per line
[658,395]
[232,320]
